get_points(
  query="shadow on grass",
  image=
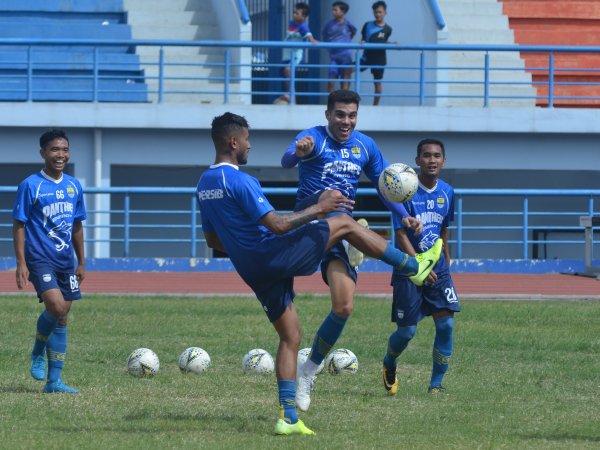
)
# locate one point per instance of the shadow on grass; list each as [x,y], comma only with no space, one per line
[20,390]
[152,422]
[561,437]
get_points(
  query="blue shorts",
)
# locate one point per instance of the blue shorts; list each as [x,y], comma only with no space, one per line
[411,303]
[338,251]
[296,253]
[343,59]
[45,277]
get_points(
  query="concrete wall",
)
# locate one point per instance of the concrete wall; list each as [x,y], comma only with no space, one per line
[168,145]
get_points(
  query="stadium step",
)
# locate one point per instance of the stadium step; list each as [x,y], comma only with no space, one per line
[556,22]
[482,22]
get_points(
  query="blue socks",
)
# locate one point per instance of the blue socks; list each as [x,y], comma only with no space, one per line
[442,349]
[407,265]
[287,400]
[45,326]
[397,342]
[56,350]
[327,335]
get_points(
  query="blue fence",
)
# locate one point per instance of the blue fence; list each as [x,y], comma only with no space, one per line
[424,78]
[489,223]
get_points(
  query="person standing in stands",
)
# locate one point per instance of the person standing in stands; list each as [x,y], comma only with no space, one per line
[339,30]
[297,31]
[376,32]
[47,230]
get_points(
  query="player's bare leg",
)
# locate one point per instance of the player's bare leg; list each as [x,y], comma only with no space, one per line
[378,91]
[288,329]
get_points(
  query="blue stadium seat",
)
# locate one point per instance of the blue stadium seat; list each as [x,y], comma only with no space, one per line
[66,72]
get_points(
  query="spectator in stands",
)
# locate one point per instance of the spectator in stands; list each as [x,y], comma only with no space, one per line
[434,205]
[47,227]
[376,32]
[339,30]
[297,31]
[268,249]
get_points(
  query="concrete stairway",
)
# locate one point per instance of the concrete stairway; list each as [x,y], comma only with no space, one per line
[558,22]
[189,74]
[482,22]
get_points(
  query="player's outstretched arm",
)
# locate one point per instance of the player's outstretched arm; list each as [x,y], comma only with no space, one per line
[399,209]
[297,150]
[444,236]
[79,251]
[330,201]
[22,273]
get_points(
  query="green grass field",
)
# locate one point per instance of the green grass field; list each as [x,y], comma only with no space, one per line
[523,375]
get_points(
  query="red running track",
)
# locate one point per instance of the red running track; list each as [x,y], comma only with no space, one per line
[468,285]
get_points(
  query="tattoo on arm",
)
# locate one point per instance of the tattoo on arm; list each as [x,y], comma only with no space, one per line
[289,221]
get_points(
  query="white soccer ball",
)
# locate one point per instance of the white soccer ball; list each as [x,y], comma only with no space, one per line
[303,356]
[341,361]
[258,361]
[143,363]
[398,183]
[194,360]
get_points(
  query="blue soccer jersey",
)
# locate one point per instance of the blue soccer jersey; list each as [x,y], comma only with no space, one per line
[295,33]
[335,165]
[341,33]
[231,204]
[49,208]
[435,209]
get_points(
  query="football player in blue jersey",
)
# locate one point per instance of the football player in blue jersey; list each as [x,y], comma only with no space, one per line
[433,205]
[47,230]
[334,157]
[268,249]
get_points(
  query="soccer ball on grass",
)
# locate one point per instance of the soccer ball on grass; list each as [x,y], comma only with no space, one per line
[143,363]
[303,356]
[398,183]
[258,361]
[194,360]
[341,361]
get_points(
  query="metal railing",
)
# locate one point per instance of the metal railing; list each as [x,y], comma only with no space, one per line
[437,14]
[419,80]
[489,223]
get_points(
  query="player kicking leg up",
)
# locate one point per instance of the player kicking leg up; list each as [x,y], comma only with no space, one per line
[355,256]
[364,240]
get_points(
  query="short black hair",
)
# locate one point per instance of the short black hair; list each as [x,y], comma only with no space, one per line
[342,96]
[303,7]
[343,6]
[378,4]
[430,141]
[225,126]
[50,135]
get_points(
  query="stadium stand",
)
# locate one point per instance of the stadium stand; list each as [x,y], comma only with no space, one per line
[66,72]
[482,22]
[556,22]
